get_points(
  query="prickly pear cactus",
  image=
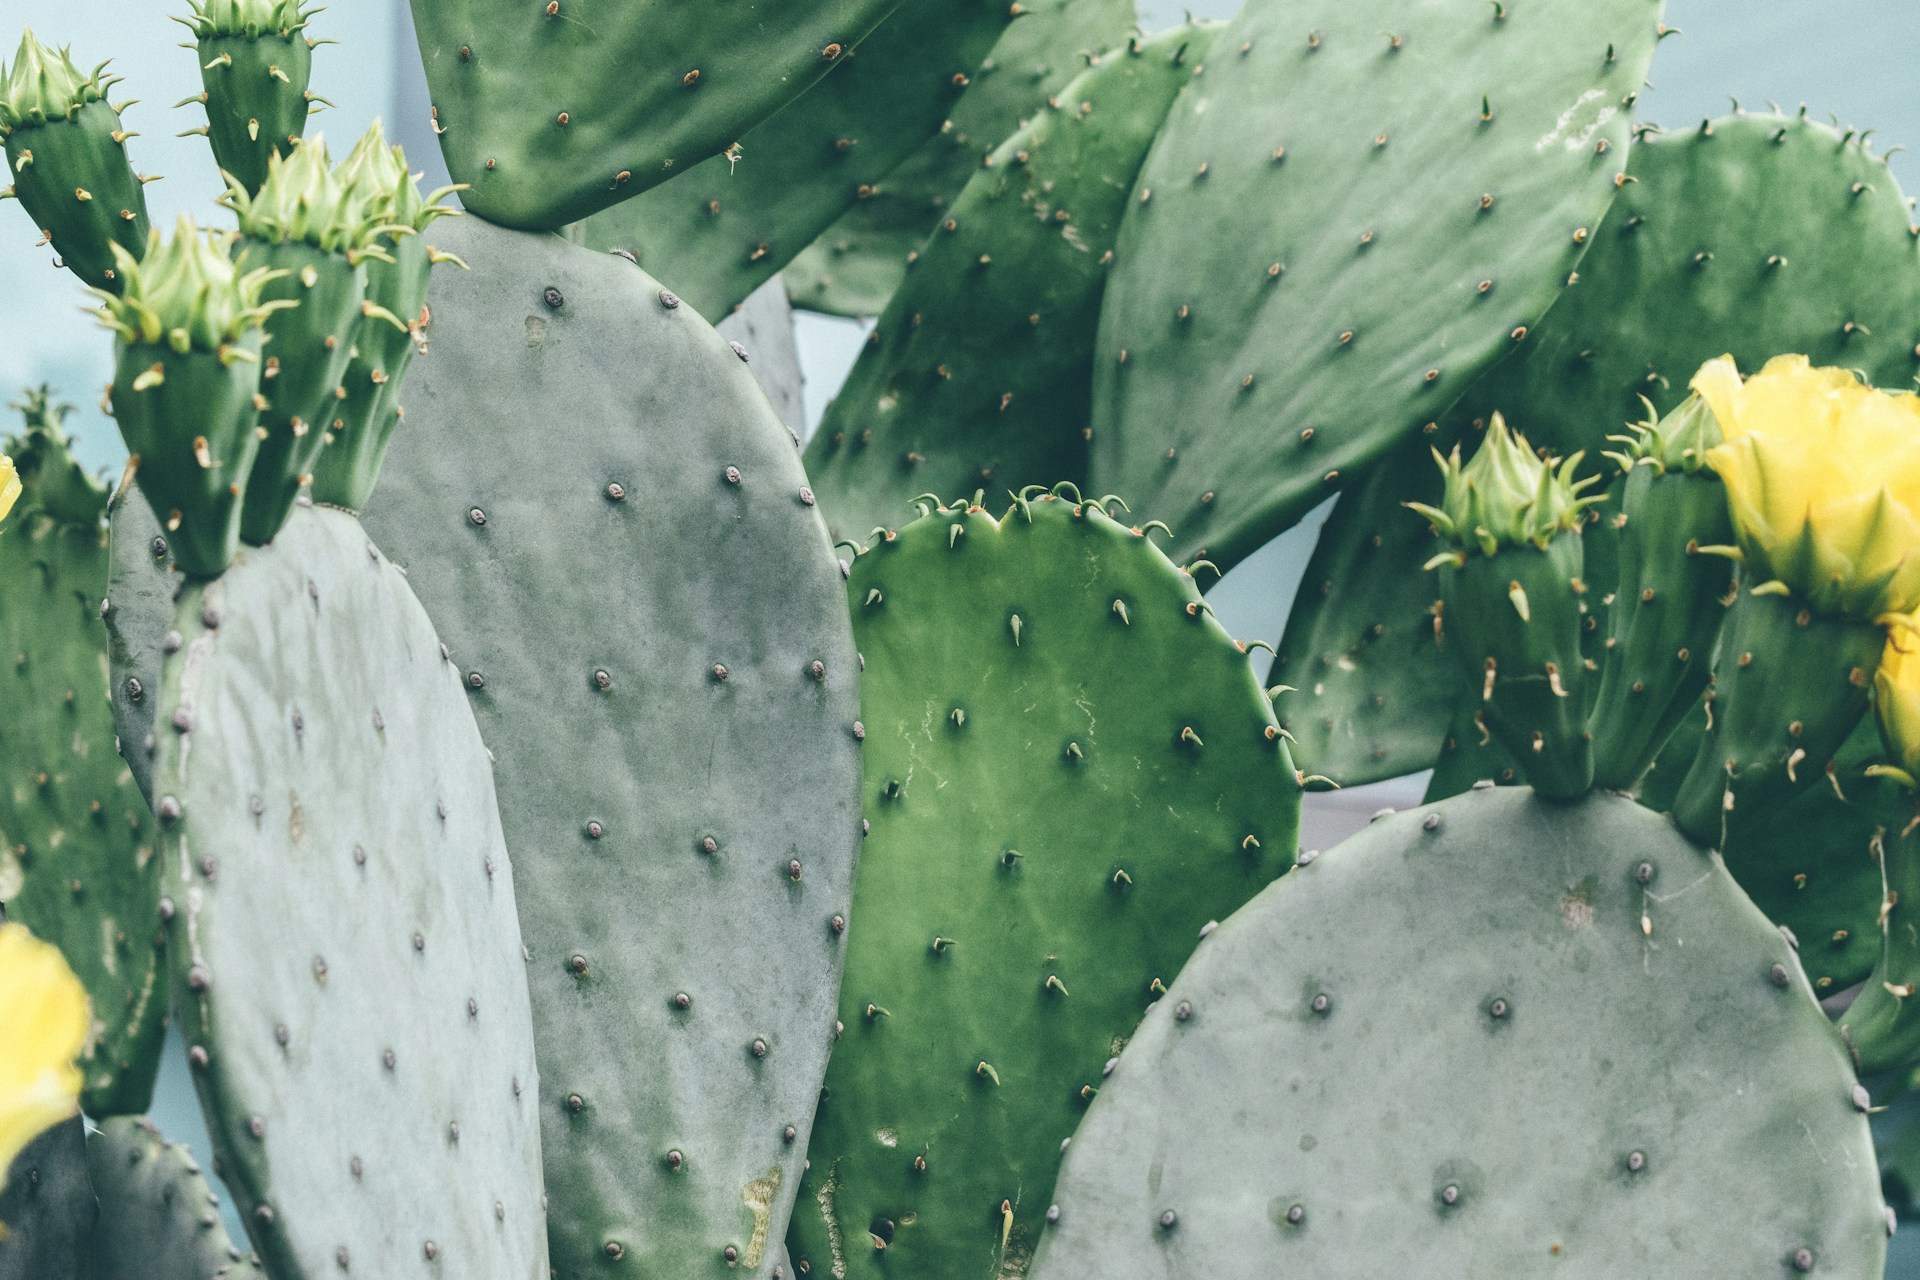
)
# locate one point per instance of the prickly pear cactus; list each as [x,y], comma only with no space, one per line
[728,225]
[660,595]
[1617,983]
[1686,266]
[48,1209]
[1277,357]
[855,265]
[979,372]
[1053,824]
[67,160]
[159,1220]
[558,110]
[255,61]
[330,841]
[76,844]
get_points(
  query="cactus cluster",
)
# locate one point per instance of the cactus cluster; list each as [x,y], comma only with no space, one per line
[558,857]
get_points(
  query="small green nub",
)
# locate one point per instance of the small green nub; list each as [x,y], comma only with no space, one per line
[1506,496]
[305,201]
[187,292]
[45,84]
[246,17]
[1677,442]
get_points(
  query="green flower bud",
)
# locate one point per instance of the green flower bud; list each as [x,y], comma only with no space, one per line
[1506,496]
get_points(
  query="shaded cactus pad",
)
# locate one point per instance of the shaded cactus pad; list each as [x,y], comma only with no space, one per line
[331,841]
[1071,769]
[159,1220]
[1492,1036]
[653,633]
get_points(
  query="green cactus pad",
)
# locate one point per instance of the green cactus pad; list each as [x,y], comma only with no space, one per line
[1053,822]
[347,962]
[1494,1036]
[1687,266]
[141,584]
[1426,180]
[76,845]
[159,1220]
[718,232]
[48,1209]
[855,265]
[255,62]
[67,160]
[979,371]
[631,564]
[559,109]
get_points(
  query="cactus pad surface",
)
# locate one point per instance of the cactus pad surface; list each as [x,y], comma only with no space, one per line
[349,975]
[159,1220]
[641,598]
[1071,769]
[48,1208]
[1493,1036]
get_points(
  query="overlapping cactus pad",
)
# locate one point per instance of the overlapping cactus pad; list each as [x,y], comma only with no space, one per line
[1619,1070]
[1360,210]
[1071,770]
[49,1209]
[76,846]
[159,1218]
[563,107]
[980,371]
[612,530]
[349,975]
[1689,264]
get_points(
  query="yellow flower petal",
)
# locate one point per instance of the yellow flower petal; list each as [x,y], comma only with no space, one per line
[1896,695]
[9,486]
[43,1009]
[1823,480]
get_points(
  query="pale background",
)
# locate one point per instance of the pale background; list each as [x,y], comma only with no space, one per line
[1850,58]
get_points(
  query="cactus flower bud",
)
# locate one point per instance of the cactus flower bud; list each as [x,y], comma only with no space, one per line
[9,486]
[1823,479]
[1896,697]
[1505,496]
[44,1009]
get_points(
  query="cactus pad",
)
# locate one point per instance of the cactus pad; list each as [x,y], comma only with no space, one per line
[1053,822]
[856,264]
[1686,266]
[159,1219]
[256,59]
[632,566]
[716,233]
[76,844]
[1493,1036]
[48,1209]
[1427,178]
[561,108]
[330,840]
[979,371]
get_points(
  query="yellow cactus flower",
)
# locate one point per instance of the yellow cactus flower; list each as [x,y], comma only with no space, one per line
[43,1009]
[1896,697]
[9,486]
[1823,481]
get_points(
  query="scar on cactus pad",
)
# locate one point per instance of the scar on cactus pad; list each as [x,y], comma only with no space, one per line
[1822,477]
[255,62]
[66,154]
[1511,592]
[186,387]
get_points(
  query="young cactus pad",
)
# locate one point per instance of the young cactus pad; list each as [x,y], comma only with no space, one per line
[1422,181]
[186,384]
[159,1219]
[48,1209]
[255,61]
[552,114]
[729,224]
[1555,1098]
[854,266]
[1686,266]
[76,842]
[67,160]
[348,970]
[1071,770]
[653,633]
[979,372]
